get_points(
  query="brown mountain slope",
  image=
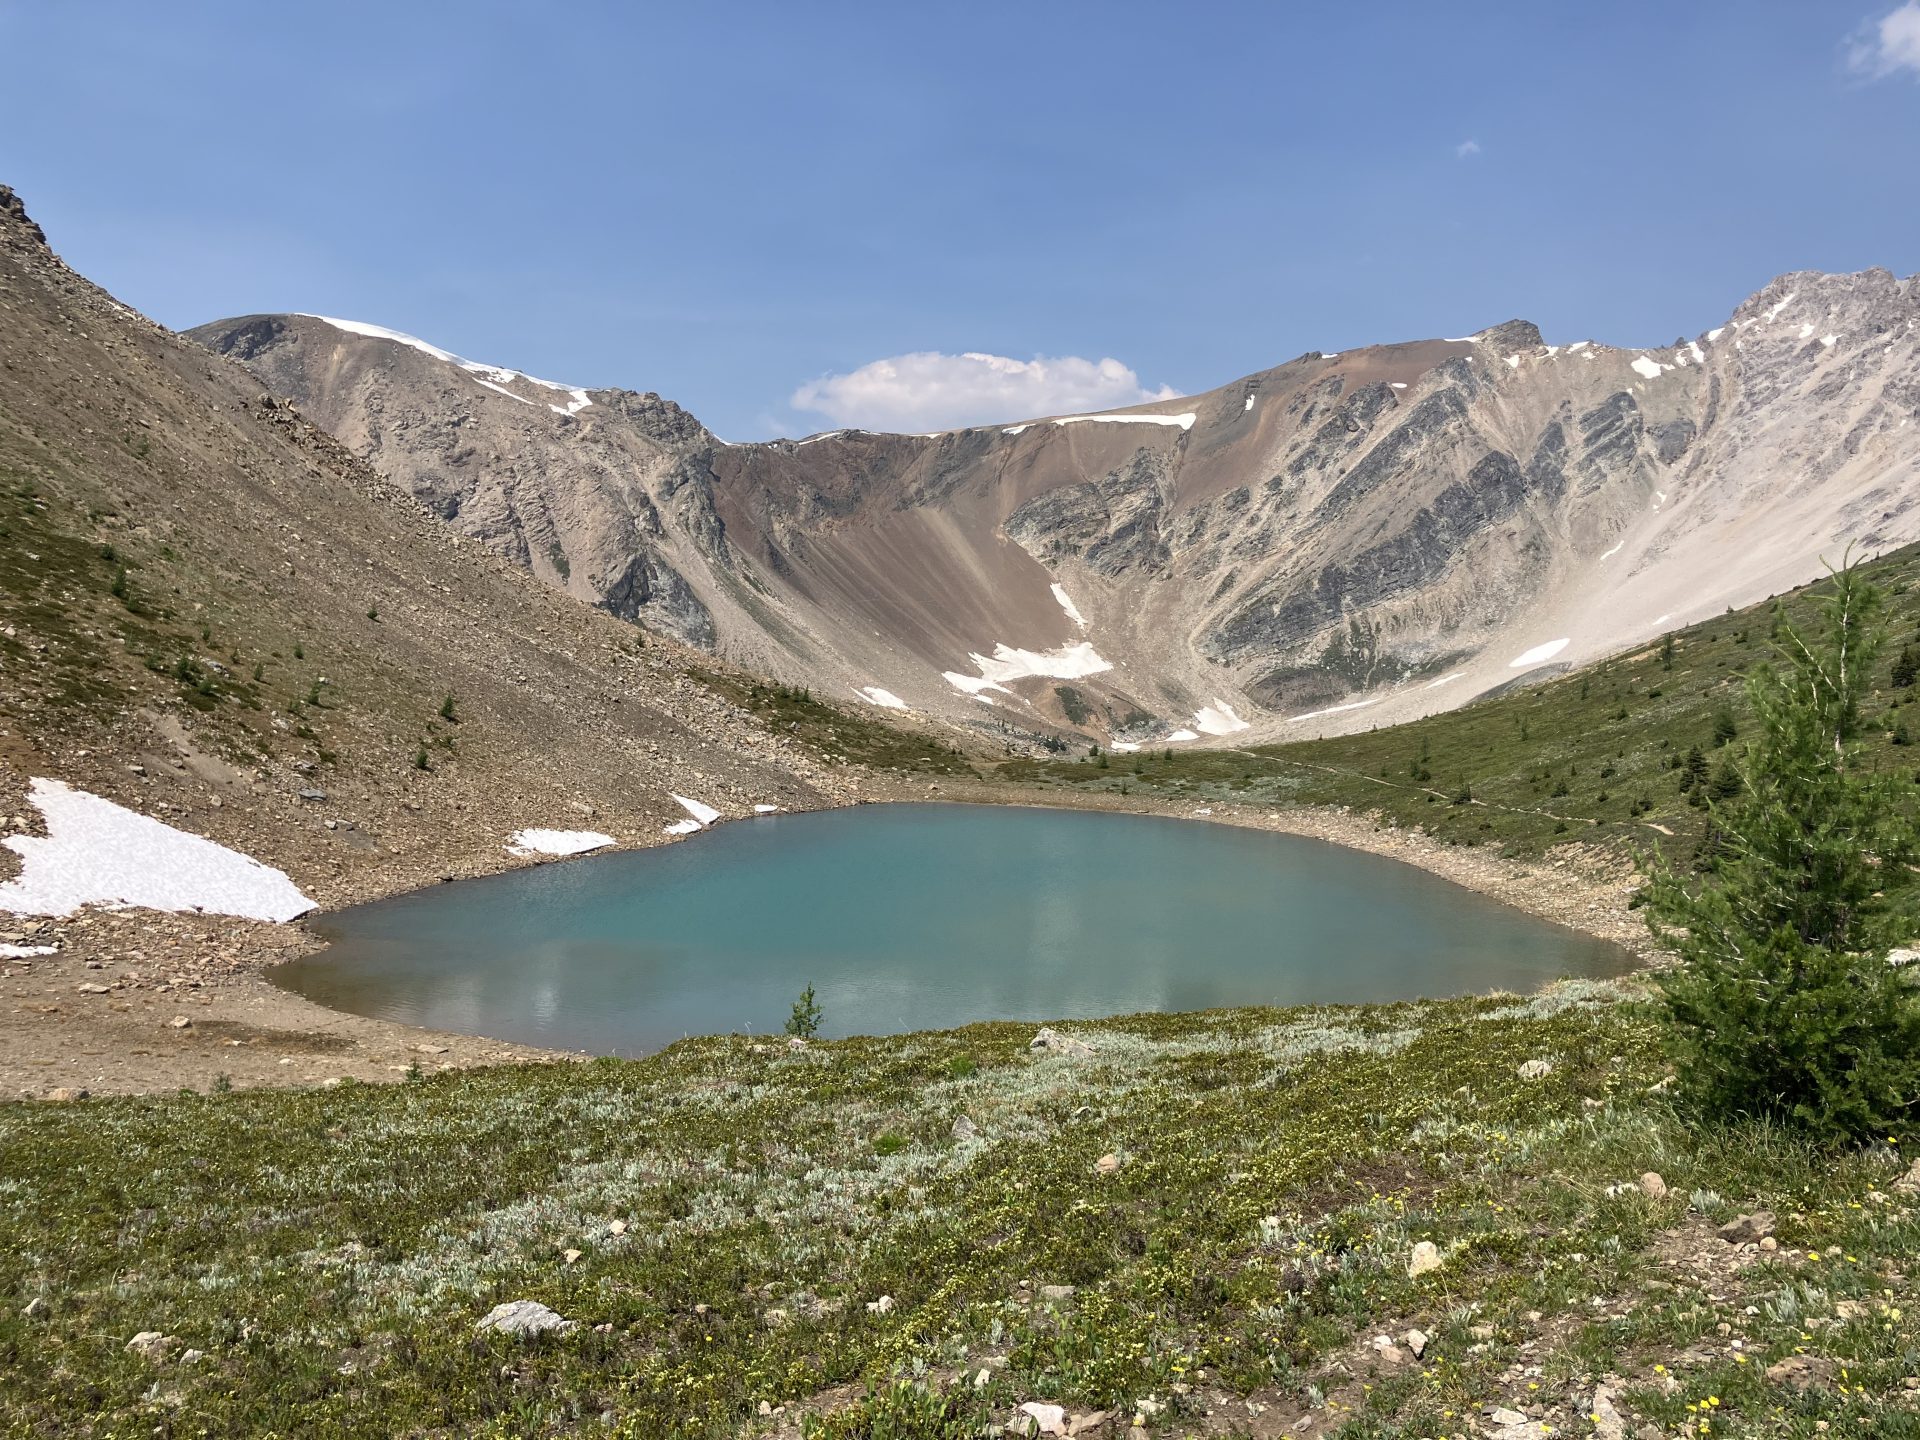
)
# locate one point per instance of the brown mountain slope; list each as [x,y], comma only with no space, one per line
[208,607]
[1343,540]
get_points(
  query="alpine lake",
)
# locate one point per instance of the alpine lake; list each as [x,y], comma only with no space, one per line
[924,916]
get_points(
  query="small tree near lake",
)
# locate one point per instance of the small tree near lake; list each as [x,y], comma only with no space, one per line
[1783,1005]
[804,1022]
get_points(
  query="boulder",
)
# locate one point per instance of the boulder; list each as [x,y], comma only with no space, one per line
[1048,1038]
[522,1318]
[152,1345]
[1652,1186]
[1747,1229]
[1608,1422]
[1425,1257]
[1045,1419]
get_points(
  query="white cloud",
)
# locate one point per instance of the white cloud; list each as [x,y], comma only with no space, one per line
[930,391]
[1466,148]
[1890,44]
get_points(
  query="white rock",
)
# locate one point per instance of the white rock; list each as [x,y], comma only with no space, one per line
[1536,1070]
[1608,1422]
[152,1345]
[1425,1257]
[882,1306]
[1048,1038]
[1500,1415]
[1416,1341]
[1047,1419]
[524,1317]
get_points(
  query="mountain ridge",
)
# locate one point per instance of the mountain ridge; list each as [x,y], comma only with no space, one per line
[1339,540]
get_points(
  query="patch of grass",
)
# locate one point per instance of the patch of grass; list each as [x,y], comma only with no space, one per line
[835,733]
[330,1250]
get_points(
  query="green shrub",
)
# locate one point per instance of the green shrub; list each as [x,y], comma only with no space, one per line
[1784,1006]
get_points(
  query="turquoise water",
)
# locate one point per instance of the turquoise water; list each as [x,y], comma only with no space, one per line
[911,917]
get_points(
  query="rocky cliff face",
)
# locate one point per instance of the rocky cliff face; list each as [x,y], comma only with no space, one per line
[1345,539]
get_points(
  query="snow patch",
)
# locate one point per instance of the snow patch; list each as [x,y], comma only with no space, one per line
[1066,604]
[1578,345]
[1218,719]
[1715,333]
[1184,420]
[1774,313]
[1444,680]
[885,699]
[1609,554]
[26,952]
[1537,654]
[556,842]
[1183,735]
[682,827]
[705,814]
[98,853]
[1069,662]
[1249,404]
[491,376]
[1399,384]
[1699,355]
[1124,747]
[1333,710]
[1649,368]
[1513,362]
[766,809]
[1829,341]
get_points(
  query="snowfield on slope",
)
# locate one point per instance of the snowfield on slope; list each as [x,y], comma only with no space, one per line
[1218,719]
[1069,662]
[98,853]
[556,842]
[1537,654]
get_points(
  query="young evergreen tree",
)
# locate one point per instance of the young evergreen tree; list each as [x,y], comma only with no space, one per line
[1783,1005]
[1905,668]
[804,1022]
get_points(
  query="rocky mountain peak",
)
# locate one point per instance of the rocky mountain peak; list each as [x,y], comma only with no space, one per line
[1513,335]
[1362,536]
[17,225]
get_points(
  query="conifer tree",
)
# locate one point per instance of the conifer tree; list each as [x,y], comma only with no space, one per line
[1784,1005]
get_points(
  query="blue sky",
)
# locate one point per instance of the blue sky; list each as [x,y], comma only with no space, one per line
[747,207]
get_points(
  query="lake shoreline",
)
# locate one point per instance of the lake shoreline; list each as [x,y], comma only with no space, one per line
[103,1015]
